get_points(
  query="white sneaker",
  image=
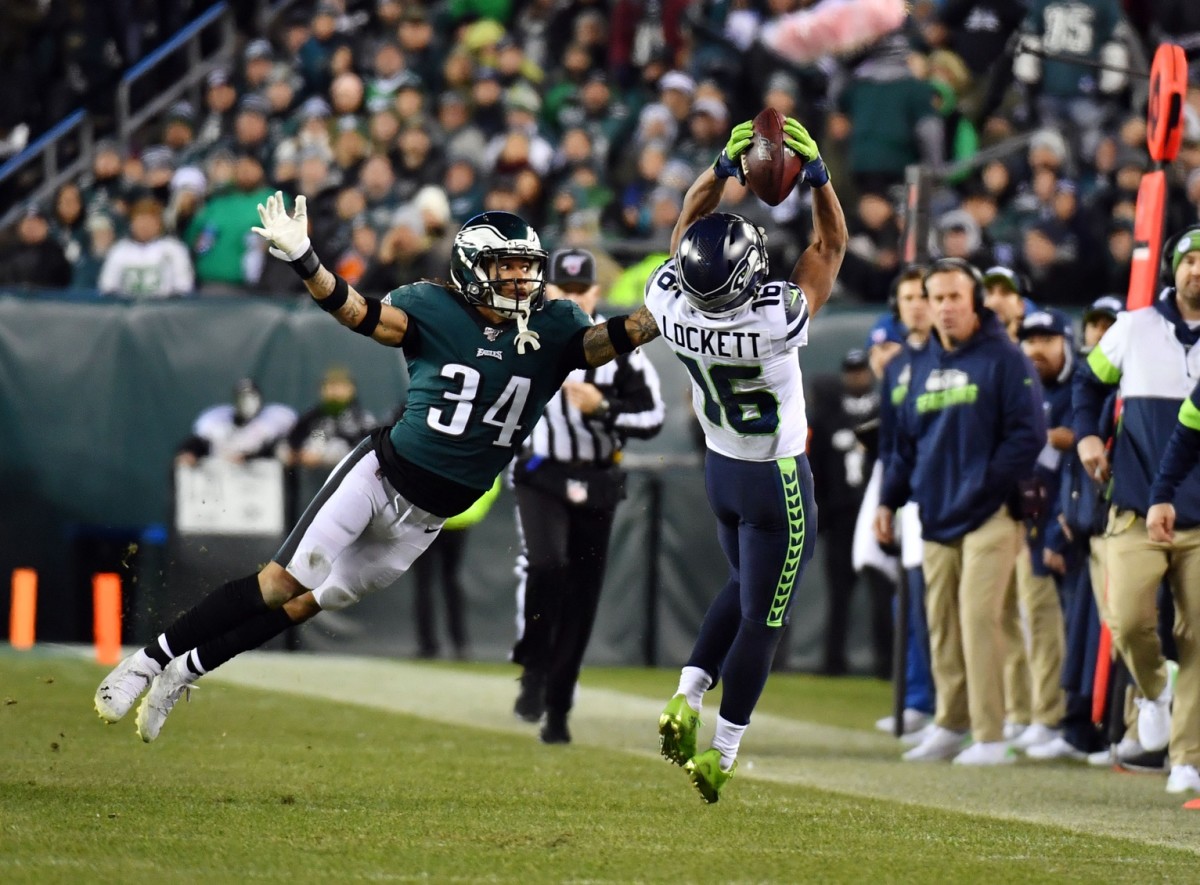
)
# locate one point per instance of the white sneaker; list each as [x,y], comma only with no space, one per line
[941,744]
[1154,716]
[1013,730]
[1059,748]
[987,753]
[165,690]
[914,720]
[915,737]
[124,685]
[1107,758]
[1036,734]
[1183,779]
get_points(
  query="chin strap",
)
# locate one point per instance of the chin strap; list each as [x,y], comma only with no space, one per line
[525,335]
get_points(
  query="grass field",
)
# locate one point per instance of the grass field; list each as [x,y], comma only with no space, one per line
[296,768]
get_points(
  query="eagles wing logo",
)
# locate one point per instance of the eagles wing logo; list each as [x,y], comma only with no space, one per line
[491,334]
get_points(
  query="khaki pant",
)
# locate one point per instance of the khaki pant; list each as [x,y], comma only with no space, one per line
[1018,685]
[964,599]
[1098,572]
[1043,614]
[1136,566]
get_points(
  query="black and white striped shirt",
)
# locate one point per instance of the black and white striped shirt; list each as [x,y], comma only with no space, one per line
[630,384]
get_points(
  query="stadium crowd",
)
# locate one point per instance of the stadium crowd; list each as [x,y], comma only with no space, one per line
[399,121]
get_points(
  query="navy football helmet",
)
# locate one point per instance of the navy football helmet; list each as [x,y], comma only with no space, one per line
[479,244]
[721,260]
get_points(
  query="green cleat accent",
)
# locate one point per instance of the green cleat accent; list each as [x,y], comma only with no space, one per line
[677,727]
[707,776]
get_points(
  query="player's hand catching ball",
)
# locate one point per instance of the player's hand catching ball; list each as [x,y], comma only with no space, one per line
[796,137]
[728,165]
[288,235]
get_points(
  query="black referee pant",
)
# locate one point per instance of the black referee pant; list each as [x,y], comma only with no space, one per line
[566,550]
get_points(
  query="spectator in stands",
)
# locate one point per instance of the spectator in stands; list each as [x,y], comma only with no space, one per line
[316,57]
[251,130]
[243,429]
[708,126]
[68,223]
[188,191]
[227,255]
[888,118]
[423,56]
[337,423]
[460,136]
[258,59]
[220,101]
[463,189]
[104,189]
[36,259]
[101,236]
[158,168]
[147,264]
[179,132]
[1071,96]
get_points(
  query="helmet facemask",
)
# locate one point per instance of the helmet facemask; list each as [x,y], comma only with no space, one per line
[482,244]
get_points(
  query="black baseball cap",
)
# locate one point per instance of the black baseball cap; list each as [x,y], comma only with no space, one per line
[572,266]
[855,359]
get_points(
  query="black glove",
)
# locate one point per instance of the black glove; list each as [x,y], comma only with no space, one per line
[1029,501]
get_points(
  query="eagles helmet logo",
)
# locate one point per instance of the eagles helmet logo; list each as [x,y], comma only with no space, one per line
[479,246]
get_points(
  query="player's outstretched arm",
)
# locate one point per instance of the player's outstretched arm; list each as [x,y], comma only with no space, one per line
[705,193]
[819,264]
[288,238]
[621,334]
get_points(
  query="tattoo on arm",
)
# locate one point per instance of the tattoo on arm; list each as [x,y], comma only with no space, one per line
[597,346]
[350,314]
[641,326]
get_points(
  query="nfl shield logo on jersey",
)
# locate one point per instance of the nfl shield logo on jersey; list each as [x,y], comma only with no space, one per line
[577,491]
[491,334]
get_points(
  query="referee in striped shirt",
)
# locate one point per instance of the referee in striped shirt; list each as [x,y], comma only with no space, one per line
[568,483]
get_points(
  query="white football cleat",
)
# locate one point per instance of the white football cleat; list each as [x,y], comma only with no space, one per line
[1183,779]
[1154,716]
[914,720]
[1013,730]
[941,744]
[1036,734]
[987,753]
[1059,748]
[122,687]
[165,691]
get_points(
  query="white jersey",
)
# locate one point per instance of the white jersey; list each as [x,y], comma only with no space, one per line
[157,269]
[747,390]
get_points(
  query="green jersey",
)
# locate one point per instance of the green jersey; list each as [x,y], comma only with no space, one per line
[472,399]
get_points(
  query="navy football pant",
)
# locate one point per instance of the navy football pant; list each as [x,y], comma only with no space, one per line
[767,526]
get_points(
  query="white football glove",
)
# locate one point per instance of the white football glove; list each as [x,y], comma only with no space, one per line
[288,236]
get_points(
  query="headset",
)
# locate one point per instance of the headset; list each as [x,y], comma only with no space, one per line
[944,264]
[914,271]
[1166,271]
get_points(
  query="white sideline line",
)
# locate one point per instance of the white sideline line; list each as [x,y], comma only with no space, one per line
[778,749]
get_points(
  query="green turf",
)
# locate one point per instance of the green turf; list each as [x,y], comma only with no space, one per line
[249,785]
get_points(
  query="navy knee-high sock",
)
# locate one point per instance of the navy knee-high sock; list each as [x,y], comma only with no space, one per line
[224,609]
[746,668]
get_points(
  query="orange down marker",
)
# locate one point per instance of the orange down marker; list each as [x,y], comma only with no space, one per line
[106,608]
[22,617]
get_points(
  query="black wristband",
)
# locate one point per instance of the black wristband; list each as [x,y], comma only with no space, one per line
[368,323]
[335,299]
[618,335]
[307,265]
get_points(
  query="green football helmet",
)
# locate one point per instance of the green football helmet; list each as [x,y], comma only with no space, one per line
[479,245]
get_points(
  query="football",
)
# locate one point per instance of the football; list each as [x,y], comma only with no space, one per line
[771,168]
